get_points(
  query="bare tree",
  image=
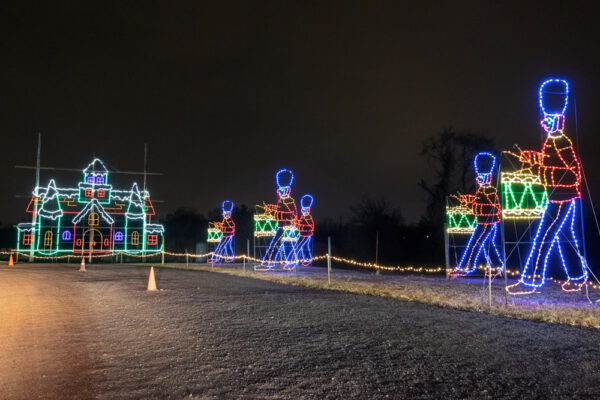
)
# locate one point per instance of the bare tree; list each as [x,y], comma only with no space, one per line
[450,154]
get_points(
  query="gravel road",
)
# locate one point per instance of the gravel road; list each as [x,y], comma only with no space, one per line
[99,334]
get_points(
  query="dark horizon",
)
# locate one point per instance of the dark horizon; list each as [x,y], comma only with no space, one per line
[225,95]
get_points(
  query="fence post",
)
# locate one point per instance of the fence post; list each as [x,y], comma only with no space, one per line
[377,252]
[447,250]
[247,252]
[329,260]
[503,238]
[162,256]
[376,247]
[504,263]
[490,284]
[187,261]
[17,257]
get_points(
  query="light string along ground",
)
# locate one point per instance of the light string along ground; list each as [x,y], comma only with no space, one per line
[341,260]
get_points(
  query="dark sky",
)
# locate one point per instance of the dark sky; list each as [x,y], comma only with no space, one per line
[342,93]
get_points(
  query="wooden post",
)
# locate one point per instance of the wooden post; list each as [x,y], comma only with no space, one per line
[499,185]
[17,257]
[91,246]
[490,284]
[329,260]
[187,261]
[145,168]
[504,264]
[377,251]
[247,253]
[162,257]
[376,247]
[121,258]
[447,250]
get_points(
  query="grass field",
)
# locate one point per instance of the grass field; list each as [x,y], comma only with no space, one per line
[550,305]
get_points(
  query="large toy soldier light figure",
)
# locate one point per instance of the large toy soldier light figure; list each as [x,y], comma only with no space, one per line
[559,169]
[486,208]
[227,227]
[306,230]
[281,249]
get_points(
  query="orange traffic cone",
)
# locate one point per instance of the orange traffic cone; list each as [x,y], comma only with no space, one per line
[10,261]
[152,281]
[82,266]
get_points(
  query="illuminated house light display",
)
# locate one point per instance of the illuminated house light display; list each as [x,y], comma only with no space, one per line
[92,218]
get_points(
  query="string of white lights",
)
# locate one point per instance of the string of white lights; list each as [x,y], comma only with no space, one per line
[342,260]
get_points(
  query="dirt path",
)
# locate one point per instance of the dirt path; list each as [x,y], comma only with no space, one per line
[100,335]
[42,341]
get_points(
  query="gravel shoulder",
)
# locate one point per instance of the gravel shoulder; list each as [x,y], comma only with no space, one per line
[99,334]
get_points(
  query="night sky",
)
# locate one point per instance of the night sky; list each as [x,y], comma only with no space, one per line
[341,93]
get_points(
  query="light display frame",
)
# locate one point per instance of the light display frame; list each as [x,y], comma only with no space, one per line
[221,235]
[305,226]
[282,236]
[116,214]
[485,207]
[280,252]
[559,169]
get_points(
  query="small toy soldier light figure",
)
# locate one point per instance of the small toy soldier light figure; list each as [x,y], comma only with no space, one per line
[306,230]
[227,227]
[486,208]
[559,170]
[281,249]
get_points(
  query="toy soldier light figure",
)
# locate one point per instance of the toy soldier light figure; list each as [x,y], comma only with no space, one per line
[281,249]
[227,227]
[559,170]
[486,208]
[306,230]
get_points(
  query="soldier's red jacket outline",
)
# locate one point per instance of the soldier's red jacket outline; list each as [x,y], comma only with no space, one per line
[558,167]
